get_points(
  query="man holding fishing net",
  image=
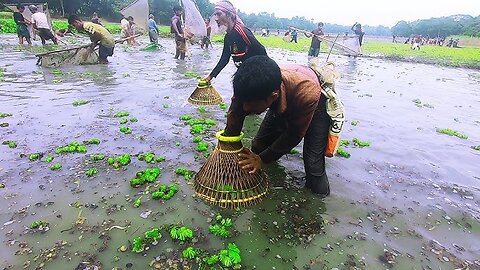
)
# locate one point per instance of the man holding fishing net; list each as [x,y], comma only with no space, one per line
[297,106]
[98,35]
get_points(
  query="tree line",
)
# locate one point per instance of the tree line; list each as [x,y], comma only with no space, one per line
[162,9]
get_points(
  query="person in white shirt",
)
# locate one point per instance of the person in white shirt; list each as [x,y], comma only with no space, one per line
[40,23]
[125,24]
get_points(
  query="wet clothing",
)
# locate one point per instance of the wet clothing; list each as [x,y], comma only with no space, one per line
[152,31]
[298,113]
[40,20]
[106,39]
[45,34]
[22,30]
[178,22]
[359,33]
[104,52]
[241,44]
[315,45]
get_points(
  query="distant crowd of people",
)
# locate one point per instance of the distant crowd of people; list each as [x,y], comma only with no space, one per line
[418,40]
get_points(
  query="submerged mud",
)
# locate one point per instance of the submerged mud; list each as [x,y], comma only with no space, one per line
[410,200]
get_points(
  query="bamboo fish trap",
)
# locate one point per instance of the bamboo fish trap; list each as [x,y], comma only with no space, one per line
[205,94]
[222,182]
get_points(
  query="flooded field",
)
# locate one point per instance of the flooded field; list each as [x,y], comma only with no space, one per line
[410,200]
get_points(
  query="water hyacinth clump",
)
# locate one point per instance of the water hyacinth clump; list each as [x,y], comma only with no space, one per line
[452,132]
[146,176]
[165,192]
[188,174]
[119,161]
[73,147]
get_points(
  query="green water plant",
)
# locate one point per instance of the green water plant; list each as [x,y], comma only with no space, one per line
[165,192]
[186,173]
[97,157]
[186,117]
[4,124]
[3,115]
[202,109]
[92,141]
[476,147]
[133,120]
[197,129]
[153,234]
[123,121]
[221,227]
[138,202]
[452,132]
[161,159]
[146,176]
[192,74]
[230,257]
[121,114]
[359,143]
[344,142]
[190,253]
[354,123]
[126,130]
[80,102]
[73,147]
[181,233]
[147,157]
[138,245]
[197,139]
[294,151]
[91,172]
[341,152]
[49,159]
[38,224]
[11,144]
[202,146]
[223,106]
[35,156]
[119,161]
[56,167]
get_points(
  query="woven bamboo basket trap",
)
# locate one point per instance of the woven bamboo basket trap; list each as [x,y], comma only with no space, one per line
[205,94]
[222,182]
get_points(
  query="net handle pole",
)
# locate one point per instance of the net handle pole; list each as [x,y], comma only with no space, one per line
[325,39]
[331,48]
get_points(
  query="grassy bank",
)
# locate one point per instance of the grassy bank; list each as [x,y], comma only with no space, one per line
[8,26]
[458,57]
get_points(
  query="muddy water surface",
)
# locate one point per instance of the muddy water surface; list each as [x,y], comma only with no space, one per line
[408,201]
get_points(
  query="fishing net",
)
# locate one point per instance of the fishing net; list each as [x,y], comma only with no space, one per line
[205,94]
[194,23]
[139,10]
[152,47]
[348,45]
[217,29]
[222,182]
[80,56]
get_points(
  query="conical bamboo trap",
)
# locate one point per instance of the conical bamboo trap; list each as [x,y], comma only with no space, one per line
[221,181]
[205,94]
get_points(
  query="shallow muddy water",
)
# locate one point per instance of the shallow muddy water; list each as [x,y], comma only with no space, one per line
[408,201]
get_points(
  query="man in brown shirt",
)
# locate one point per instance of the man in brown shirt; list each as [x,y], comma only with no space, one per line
[296,111]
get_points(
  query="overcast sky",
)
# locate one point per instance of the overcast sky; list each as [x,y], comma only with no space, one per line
[369,12]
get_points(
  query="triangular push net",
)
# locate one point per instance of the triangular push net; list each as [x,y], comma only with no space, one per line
[349,45]
[222,182]
[139,10]
[205,94]
[79,56]
[194,22]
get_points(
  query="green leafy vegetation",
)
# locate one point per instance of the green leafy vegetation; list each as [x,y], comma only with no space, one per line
[223,106]
[146,176]
[452,132]
[341,152]
[119,161]
[359,143]
[202,109]
[181,233]
[354,123]
[190,253]
[11,144]
[80,102]
[35,156]
[476,147]
[91,172]
[151,158]
[133,120]
[121,114]
[56,167]
[49,159]
[123,121]
[38,224]
[221,227]
[191,74]
[165,192]
[126,130]
[186,173]
[3,115]
[294,151]
[186,117]
[138,202]
[137,245]
[97,157]
[202,146]
[92,141]
[73,147]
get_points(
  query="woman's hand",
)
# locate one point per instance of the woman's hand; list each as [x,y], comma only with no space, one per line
[250,161]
